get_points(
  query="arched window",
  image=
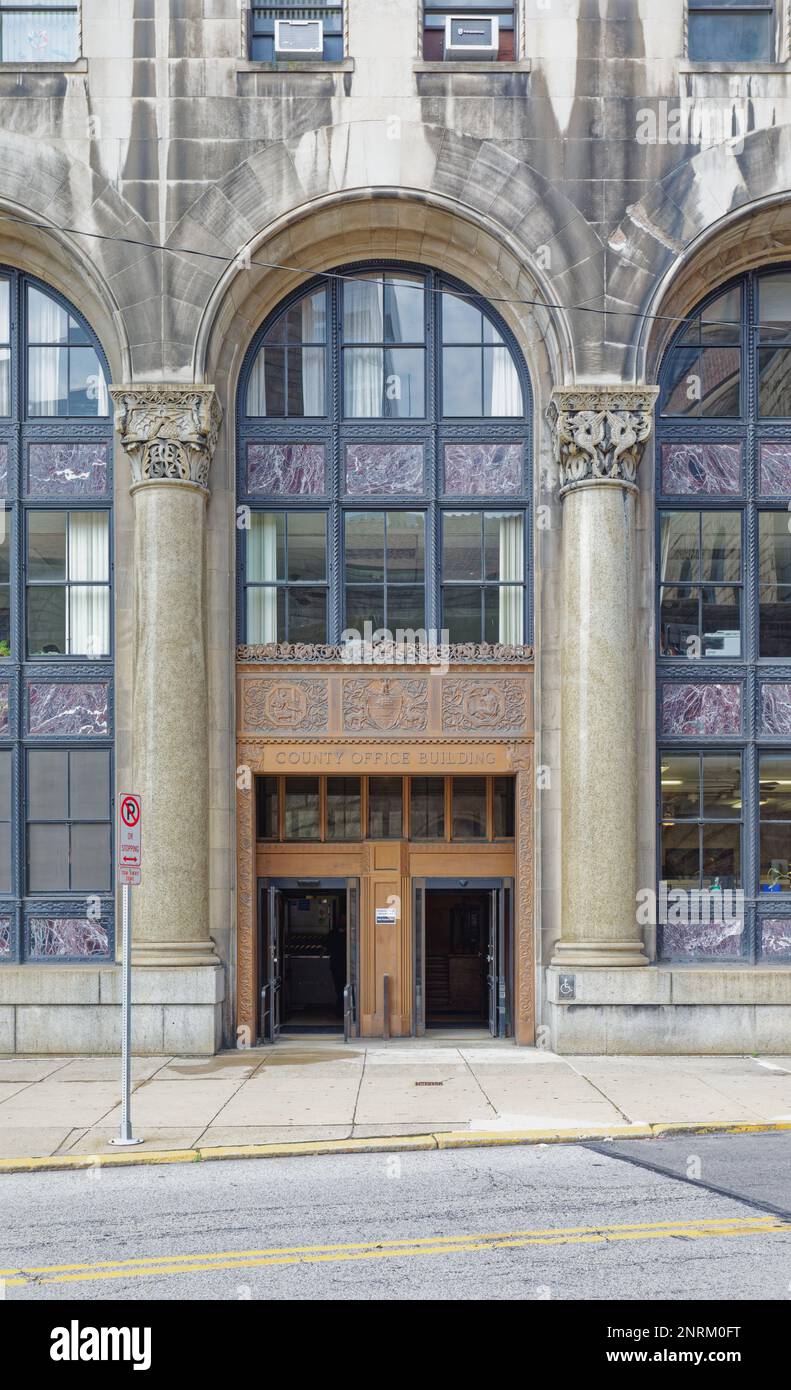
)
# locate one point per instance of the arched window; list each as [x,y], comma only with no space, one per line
[724,621]
[384,456]
[56,647]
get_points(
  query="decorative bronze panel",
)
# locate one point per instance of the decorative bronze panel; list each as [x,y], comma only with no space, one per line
[484,706]
[284,706]
[385,706]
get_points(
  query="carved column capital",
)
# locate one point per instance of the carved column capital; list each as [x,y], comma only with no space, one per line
[600,433]
[169,431]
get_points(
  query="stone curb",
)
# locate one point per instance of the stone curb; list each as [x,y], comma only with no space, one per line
[408,1143]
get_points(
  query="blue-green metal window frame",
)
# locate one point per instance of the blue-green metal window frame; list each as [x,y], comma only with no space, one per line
[18,431]
[750,671]
[433,431]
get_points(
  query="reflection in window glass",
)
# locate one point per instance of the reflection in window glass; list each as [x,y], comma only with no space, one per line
[343,808]
[774,584]
[302,808]
[774,786]
[700,570]
[427,808]
[68,588]
[6,793]
[266,801]
[469,808]
[701,820]
[384,354]
[483,576]
[730,31]
[68,810]
[65,376]
[286,577]
[479,376]
[385,808]
[385,571]
[288,376]
[503,807]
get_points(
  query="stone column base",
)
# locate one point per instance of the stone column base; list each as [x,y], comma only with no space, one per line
[603,955]
[63,1010]
[173,954]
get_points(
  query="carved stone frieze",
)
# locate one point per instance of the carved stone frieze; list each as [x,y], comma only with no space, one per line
[386,653]
[600,433]
[384,706]
[484,706]
[169,432]
[284,706]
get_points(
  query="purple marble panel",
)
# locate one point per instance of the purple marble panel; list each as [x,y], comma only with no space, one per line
[62,710]
[694,468]
[775,708]
[4,698]
[484,470]
[391,470]
[3,470]
[5,938]
[286,470]
[776,938]
[50,937]
[775,471]
[702,940]
[701,709]
[67,470]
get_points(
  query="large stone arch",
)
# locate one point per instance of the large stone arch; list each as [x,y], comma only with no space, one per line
[691,231]
[527,233]
[47,197]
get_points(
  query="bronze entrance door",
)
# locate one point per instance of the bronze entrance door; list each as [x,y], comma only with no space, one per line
[463,954]
[309,956]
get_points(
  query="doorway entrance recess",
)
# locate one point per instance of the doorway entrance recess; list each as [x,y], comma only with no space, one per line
[464,958]
[309,945]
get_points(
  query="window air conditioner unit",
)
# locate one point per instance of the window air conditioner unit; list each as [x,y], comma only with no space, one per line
[299,38]
[472,36]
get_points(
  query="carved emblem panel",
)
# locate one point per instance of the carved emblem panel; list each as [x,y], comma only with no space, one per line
[285,706]
[385,706]
[484,706]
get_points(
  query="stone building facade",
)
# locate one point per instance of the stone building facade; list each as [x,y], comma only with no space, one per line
[261,307]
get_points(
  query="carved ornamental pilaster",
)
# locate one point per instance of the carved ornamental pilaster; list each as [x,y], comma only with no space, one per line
[600,432]
[169,432]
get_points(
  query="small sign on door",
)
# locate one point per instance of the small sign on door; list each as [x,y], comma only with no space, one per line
[386,917]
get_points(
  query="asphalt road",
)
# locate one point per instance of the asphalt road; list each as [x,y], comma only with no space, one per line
[555,1222]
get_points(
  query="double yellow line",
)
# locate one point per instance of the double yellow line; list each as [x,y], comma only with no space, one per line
[161,1265]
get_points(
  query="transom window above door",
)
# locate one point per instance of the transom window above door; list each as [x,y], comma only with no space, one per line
[384,460]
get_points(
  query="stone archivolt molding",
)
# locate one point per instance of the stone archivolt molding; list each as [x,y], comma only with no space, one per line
[600,433]
[386,653]
[169,432]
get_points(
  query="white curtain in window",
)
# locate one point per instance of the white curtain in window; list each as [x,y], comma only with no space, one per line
[511,570]
[48,366]
[313,357]
[256,390]
[363,367]
[262,569]
[89,594]
[506,391]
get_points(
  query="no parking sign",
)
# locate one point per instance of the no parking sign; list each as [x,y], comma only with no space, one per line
[129,838]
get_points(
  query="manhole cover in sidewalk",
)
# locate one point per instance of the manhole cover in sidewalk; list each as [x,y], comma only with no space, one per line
[429,1083]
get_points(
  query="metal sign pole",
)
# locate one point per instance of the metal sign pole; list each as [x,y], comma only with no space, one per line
[125,1136]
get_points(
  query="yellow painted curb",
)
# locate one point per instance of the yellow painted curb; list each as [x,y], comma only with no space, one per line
[405,1143]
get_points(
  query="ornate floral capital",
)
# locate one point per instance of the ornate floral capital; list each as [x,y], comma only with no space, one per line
[600,432]
[169,432]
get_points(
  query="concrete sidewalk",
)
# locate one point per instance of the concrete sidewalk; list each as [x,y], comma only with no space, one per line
[315,1089]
